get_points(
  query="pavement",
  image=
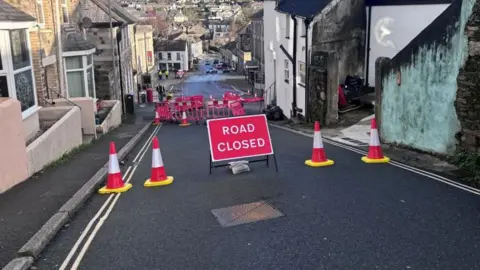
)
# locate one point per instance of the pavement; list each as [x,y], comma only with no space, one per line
[351,215]
[25,208]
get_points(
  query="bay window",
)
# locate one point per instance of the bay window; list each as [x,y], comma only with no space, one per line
[80,73]
[16,72]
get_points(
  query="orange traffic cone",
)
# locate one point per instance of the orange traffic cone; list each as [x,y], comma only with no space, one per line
[319,158]
[184,120]
[375,153]
[156,121]
[114,180]
[158,175]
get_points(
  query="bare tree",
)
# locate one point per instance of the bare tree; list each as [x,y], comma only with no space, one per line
[161,28]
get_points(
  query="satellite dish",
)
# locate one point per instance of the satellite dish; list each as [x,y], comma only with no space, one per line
[86,22]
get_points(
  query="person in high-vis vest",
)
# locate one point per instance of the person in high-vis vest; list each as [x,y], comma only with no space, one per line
[160,75]
[166,74]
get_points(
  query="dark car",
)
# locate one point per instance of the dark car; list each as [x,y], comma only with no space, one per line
[212,71]
[207,63]
[215,62]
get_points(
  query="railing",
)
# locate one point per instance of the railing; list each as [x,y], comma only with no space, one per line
[59,96]
[267,94]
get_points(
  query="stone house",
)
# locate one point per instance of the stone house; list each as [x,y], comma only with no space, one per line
[113,57]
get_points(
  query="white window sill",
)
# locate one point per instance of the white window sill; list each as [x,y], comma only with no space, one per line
[31,111]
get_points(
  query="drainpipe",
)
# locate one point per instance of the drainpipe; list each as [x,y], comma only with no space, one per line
[367,37]
[307,65]
[294,69]
[119,39]
[59,49]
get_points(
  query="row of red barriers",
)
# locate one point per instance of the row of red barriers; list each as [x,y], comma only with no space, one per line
[196,109]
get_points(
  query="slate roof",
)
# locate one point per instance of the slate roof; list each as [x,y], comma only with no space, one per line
[97,11]
[76,42]
[171,45]
[302,8]
[11,13]
[257,15]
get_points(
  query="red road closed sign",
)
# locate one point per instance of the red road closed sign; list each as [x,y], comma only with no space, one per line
[239,137]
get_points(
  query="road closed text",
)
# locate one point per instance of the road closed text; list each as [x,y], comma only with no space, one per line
[239,137]
[239,144]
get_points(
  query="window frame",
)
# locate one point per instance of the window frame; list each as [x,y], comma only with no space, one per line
[169,56]
[300,73]
[85,67]
[40,11]
[179,58]
[286,70]
[8,70]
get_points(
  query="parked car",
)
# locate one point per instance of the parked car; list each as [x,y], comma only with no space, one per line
[215,62]
[212,71]
[207,63]
[219,66]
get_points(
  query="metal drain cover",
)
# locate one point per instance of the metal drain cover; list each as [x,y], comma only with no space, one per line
[245,213]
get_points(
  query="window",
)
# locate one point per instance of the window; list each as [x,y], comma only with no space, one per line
[64,11]
[3,86]
[287,26]
[80,75]
[22,69]
[19,45]
[287,72]
[302,73]
[160,56]
[40,14]
[169,56]
[178,56]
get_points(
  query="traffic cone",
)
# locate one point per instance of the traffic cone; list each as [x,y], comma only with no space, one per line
[156,121]
[375,153]
[158,175]
[114,180]
[184,120]
[319,158]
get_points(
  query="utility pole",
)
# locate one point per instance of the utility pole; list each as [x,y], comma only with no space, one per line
[145,46]
[112,44]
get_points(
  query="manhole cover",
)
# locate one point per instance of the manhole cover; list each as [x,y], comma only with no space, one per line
[245,213]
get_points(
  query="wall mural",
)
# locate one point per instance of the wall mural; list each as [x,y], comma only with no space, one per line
[24,89]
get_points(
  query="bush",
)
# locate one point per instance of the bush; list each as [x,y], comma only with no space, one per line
[470,163]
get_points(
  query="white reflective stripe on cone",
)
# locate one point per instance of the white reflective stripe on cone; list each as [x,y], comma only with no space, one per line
[157,160]
[113,166]
[184,115]
[156,114]
[374,141]
[317,140]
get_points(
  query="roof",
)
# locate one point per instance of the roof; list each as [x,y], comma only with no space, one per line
[171,46]
[257,15]
[97,11]
[302,8]
[11,13]
[76,42]
[405,2]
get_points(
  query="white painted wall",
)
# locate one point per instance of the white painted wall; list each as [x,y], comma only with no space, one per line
[183,58]
[274,36]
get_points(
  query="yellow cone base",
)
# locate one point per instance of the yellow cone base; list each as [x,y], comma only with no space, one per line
[185,125]
[105,190]
[155,124]
[319,164]
[165,182]
[373,161]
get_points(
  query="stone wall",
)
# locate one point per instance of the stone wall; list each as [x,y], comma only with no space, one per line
[467,104]
[342,30]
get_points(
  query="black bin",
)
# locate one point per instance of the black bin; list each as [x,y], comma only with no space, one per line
[129,104]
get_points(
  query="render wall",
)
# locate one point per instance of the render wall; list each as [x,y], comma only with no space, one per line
[420,85]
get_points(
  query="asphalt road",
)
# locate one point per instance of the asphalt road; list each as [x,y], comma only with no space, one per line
[348,216]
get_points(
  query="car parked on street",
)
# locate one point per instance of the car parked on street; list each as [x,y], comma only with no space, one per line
[207,63]
[212,71]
